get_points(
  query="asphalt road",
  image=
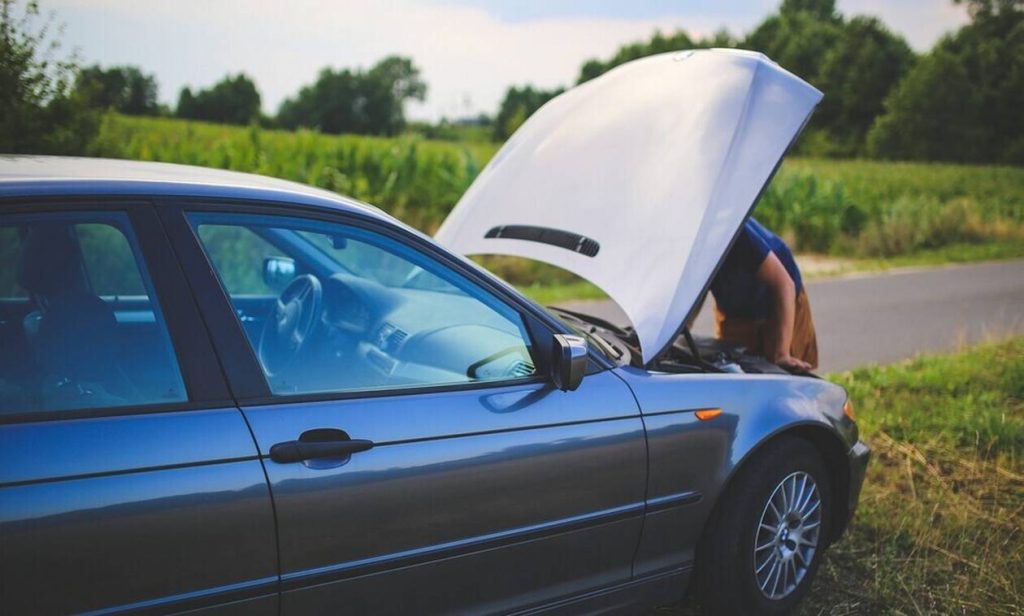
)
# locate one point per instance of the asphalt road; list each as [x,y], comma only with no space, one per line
[882,318]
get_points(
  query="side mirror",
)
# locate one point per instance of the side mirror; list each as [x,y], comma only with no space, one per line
[569,363]
[278,271]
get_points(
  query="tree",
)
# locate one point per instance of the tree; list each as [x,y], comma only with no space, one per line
[39,113]
[856,75]
[799,36]
[821,10]
[333,104]
[934,114]
[232,100]
[856,64]
[991,48]
[122,88]
[963,101]
[356,101]
[659,43]
[518,105]
[388,85]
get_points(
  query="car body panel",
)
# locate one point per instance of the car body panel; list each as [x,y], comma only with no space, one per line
[689,455]
[67,449]
[56,176]
[459,481]
[639,180]
[164,509]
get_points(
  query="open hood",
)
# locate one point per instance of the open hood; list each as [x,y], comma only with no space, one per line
[639,180]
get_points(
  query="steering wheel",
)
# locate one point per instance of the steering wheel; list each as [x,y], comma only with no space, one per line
[291,320]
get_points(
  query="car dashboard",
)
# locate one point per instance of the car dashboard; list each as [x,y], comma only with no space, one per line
[382,336]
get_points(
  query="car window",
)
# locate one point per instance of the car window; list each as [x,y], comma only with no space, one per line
[10,246]
[361,311]
[79,324]
[108,260]
[238,254]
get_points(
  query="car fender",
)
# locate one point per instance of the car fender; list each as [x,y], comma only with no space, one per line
[692,460]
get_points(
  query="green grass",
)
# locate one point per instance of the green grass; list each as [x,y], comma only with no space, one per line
[989,250]
[416,180]
[954,253]
[871,209]
[553,294]
[940,526]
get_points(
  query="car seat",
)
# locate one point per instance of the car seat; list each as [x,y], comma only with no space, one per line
[73,333]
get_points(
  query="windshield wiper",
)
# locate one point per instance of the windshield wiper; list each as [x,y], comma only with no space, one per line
[615,329]
[606,348]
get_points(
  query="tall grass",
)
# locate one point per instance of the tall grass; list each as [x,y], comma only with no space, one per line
[846,208]
[884,209]
[414,179]
[940,529]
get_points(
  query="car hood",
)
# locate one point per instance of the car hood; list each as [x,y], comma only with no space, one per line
[639,180]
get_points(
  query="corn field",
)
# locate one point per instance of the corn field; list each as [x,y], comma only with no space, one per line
[843,207]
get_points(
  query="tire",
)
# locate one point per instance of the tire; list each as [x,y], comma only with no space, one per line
[727,580]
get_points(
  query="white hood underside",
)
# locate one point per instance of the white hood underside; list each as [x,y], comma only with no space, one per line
[650,170]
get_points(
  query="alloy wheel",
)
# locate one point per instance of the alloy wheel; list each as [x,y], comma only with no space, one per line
[787,535]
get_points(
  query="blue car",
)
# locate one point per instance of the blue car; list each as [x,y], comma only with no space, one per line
[227,393]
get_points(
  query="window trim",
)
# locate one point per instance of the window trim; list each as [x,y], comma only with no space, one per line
[245,375]
[200,371]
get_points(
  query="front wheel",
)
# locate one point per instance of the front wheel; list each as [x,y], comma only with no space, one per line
[765,542]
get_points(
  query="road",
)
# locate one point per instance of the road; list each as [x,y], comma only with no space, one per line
[882,318]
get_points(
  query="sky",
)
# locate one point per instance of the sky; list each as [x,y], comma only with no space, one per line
[469,51]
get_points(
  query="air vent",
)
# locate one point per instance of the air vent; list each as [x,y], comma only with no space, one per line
[521,368]
[390,337]
[544,235]
[396,338]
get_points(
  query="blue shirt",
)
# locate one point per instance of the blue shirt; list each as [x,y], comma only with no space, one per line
[737,290]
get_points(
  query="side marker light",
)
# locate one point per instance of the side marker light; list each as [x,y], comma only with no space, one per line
[706,414]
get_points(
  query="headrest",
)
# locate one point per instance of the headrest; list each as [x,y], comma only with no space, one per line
[50,261]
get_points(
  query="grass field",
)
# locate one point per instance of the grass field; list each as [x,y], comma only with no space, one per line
[414,179]
[940,528]
[941,521]
[875,212]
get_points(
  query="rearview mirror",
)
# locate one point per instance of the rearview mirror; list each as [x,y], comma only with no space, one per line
[569,363]
[278,271]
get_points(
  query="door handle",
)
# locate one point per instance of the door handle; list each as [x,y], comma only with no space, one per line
[307,449]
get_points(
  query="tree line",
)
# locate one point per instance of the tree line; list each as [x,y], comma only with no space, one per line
[49,104]
[962,101]
[339,101]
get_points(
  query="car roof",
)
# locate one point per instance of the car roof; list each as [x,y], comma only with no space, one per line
[50,176]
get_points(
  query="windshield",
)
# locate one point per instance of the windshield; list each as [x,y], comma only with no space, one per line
[364,260]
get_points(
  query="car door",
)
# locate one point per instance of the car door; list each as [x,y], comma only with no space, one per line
[419,458]
[128,478]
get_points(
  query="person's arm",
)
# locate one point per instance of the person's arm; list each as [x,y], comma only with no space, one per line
[773,273]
